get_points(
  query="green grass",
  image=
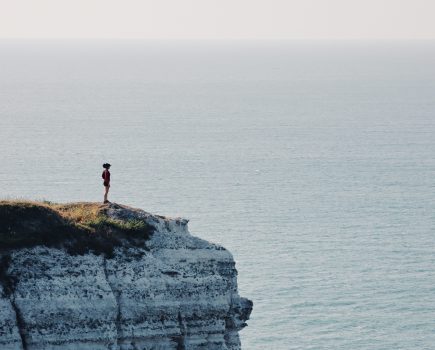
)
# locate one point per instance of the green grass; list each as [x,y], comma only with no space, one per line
[79,228]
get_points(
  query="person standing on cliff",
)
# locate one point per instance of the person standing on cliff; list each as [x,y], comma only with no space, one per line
[106,183]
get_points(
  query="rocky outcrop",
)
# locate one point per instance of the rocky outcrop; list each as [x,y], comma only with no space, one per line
[172,291]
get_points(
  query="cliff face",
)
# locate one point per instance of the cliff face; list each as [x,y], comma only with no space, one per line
[172,291]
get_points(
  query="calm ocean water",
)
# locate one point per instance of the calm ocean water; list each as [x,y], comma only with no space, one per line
[312,162]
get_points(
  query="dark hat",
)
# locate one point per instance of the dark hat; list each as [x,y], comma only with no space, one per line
[106,165]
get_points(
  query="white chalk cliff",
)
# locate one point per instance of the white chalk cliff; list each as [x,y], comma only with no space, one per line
[175,291]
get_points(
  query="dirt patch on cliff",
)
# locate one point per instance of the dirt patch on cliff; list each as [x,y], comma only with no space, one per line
[77,227]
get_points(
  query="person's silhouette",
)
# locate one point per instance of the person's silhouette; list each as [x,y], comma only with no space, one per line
[106,183]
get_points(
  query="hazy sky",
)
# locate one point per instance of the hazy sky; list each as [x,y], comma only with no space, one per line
[199,19]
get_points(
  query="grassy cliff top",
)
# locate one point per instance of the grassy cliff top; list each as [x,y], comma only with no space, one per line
[78,227]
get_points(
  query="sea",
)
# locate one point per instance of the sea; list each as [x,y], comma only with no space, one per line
[313,162]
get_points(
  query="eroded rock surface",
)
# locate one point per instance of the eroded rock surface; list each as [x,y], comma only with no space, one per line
[175,291]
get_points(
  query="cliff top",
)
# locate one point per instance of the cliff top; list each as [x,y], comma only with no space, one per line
[77,227]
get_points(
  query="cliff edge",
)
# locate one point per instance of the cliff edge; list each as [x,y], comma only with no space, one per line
[90,276]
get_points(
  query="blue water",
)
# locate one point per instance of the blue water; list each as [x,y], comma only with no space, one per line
[312,162]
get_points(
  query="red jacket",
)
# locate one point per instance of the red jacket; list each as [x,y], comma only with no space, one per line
[106,176]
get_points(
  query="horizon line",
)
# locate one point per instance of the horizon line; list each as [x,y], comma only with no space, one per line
[217,39]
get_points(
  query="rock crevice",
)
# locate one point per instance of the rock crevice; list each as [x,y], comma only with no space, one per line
[20,322]
[117,298]
[7,285]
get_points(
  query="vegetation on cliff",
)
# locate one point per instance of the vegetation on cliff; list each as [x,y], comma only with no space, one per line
[77,227]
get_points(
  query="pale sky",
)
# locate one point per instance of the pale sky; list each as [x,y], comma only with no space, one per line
[218,19]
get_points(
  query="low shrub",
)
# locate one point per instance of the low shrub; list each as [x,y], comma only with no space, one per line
[79,228]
